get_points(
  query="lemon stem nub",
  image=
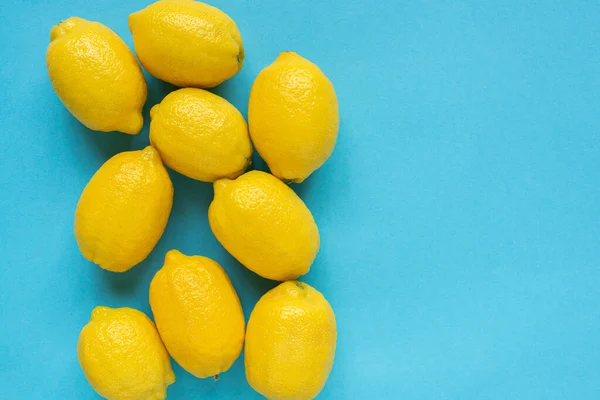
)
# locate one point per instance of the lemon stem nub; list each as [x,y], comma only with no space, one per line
[216,377]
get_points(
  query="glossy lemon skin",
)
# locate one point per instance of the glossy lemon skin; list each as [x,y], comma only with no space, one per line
[122,356]
[264,225]
[187,43]
[198,314]
[96,76]
[293,117]
[200,135]
[290,343]
[124,210]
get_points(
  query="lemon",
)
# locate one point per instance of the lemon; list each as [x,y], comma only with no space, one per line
[124,209]
[198,314]
[200,135]
[293,117]
[187,43]
[264,225]
[290,343]
[96,76]
[123,357]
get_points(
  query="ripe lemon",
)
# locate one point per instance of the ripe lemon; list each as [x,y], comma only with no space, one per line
[293,117]
[187,43]
[96,76]
[123,357]
[200,135]
[264,225]
[198,314]
[290,343]
[124,209]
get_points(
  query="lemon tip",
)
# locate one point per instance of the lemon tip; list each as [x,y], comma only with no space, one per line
[100,312]
[134,124]
[170,378]
[131,21]
[287,54]
[221,184]
[154,111]
[64,27]
[149,153]
[172,254]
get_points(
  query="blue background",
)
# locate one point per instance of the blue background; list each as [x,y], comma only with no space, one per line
[459,213]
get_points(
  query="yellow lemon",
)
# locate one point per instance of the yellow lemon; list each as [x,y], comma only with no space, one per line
[96,76]
[198,314]
[124,209]
[264,225]
[123,357]
[187,43]
[293,117]
[200,135]
[290,343]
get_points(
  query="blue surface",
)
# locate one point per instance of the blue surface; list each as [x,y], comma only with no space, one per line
[459,214]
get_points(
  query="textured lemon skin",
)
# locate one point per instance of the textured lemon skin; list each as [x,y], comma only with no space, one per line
[187,43]
[122,356]
[96,76]
[124,209]
[293,117]
[200,135]
[290,343]
[198,314]
[264,225]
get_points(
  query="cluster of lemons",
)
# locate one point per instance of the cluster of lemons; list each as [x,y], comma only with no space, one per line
[293,123]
